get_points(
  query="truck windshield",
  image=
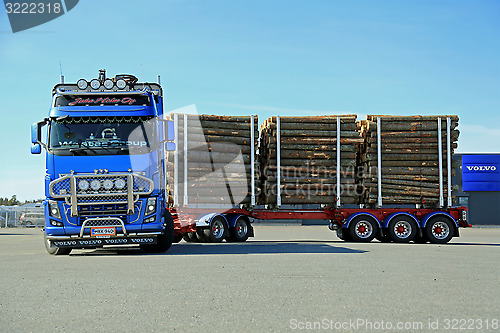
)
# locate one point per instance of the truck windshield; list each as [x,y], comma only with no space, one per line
[102,135]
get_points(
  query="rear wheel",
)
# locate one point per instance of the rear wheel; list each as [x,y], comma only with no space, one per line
[439,229]
[363,229]
[165,240]
[218,230]
[240,231]
[402,229]
[54,250]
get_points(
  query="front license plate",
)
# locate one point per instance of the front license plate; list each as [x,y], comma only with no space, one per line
[102,231]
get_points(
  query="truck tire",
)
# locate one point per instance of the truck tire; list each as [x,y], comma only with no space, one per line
[240,231]
[439,229]
[178,238]
[165,240]
[203,235]
[362,229]
[402,229]
[190,237]
[217,231]
[54,250]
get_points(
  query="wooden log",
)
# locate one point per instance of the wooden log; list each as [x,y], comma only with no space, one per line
[347,161]
[218,118]
[415,134]
[410,118]
[314,126]
[317,133]
[310,147]
[406,125]
[314,200]
[316,140]
[312,155]
[305,170]
[403,157]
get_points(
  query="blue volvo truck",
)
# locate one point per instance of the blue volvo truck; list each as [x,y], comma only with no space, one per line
[104,140]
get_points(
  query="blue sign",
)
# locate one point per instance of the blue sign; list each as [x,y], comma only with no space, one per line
[480,173]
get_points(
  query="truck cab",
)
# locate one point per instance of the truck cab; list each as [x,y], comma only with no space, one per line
[104,182]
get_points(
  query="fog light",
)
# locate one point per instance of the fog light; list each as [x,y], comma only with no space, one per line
[56,223]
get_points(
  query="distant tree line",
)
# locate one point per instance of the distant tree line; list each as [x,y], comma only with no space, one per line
[13,201]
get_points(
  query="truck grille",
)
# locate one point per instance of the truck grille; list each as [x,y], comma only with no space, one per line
[88,189]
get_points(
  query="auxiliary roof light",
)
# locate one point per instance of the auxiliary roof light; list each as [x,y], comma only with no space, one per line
[121,84]
[95,84]
[108,84]
[82,84]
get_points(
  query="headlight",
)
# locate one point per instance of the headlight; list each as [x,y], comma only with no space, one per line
[95,84]
[95,184]
[107,184]
[54,209]
[108,84]
[151,206]
[121,84]
[82,84]
[119,183]
[83,185]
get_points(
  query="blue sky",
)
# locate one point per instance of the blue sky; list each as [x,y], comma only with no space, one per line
[261,57]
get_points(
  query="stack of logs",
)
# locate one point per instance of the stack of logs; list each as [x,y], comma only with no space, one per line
[218,160]
[410,158]
[308,160]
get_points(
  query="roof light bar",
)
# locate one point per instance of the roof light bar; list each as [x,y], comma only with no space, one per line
[121,84]
[95,84]
[108,84]
[82,84]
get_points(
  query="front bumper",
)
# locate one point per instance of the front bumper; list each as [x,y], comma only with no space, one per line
[77,242]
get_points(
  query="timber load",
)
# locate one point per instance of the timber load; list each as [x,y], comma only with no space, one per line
[298,160]
[412,165]
[212,163]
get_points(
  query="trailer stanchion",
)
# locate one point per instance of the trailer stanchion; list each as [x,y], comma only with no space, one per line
[448,160]
[278,161]
[176,160]
[252,159]
[186,199]
[440,153]
[337,199]
[379,160]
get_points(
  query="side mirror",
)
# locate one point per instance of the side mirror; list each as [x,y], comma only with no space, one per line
[170,131]
[34,133]
[36,148]
[169,146]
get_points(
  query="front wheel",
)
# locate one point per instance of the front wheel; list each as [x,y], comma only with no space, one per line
[363,229]
[439,230]
[165,240]
[54,250]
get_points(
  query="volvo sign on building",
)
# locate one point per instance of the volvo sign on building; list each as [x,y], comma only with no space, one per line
[478,186]
[480,173]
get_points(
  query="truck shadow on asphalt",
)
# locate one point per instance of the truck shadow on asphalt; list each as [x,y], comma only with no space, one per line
[259,247]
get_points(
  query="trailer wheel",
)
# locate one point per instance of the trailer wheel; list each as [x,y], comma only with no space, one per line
[54,250]
[203,235]
[439,229]
[402,229]
[164,241]
[178,238]
[190,237]
[218,230]
[362,229]
[240,231]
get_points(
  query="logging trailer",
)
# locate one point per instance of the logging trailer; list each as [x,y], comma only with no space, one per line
[108,182]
